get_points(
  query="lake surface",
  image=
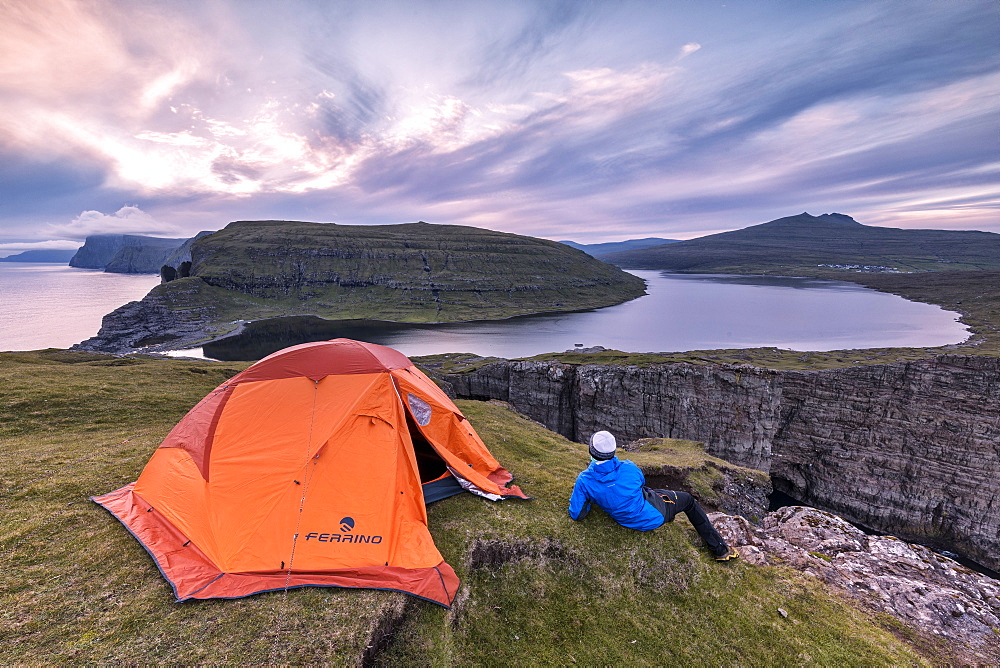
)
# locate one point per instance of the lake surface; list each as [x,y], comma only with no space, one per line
[681,312]
[49,305]
[55,306]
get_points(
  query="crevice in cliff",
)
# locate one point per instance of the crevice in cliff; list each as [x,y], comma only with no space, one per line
[569,415]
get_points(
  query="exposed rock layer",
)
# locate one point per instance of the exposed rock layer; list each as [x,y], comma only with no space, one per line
[155,322]
[909,448]
[255,270]
[125,253]
[911,582]
[446,265]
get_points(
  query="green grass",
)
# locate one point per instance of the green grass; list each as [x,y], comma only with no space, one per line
[702,472]
[769,358]
[538,589]
[406,273]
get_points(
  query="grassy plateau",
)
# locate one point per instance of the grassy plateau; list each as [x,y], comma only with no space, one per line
[409,273]
[537,588]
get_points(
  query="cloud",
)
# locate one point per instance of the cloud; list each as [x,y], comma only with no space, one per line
[126,220]
[688,49]
[522,116]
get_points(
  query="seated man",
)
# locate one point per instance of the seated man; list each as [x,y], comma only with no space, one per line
[619,488]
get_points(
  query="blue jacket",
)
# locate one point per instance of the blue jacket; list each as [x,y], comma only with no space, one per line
[615,486]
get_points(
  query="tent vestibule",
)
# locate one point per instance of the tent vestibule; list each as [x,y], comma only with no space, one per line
[310,468]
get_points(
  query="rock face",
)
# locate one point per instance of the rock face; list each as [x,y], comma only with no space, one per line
[911,582]
[183,252]
[152,322]
[257,270]
[125,253]
[448,267]
[908,448]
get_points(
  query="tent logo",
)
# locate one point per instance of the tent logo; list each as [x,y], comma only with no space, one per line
[346,534]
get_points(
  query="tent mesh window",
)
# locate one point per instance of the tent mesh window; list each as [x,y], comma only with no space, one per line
[420,409]
[429,463]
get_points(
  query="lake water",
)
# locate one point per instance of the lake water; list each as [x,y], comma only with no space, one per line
[48,305]
[55,306]
[681,312]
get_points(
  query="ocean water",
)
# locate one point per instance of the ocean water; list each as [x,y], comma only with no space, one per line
[55,306]
[681,312]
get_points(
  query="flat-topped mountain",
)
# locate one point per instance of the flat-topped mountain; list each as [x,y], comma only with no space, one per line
[804,244]
[414,272]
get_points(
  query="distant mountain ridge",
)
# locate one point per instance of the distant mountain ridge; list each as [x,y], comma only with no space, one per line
[49,256]
[807,244]
[600,250]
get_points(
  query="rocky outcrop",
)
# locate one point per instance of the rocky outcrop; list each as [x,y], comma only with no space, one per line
[183,252]
[153,323]
[125,253]
[911,582]
[716,483]
[911,448]
[257,270]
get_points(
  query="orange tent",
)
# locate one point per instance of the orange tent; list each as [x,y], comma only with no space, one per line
[310,468]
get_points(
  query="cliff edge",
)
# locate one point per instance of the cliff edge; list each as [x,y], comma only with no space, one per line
[415,272]
[908,448]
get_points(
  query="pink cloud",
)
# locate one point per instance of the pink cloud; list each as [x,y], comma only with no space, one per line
[127,220]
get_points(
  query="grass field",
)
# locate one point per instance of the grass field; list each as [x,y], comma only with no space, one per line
[538,589]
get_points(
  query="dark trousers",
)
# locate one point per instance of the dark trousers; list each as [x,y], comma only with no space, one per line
[669,503]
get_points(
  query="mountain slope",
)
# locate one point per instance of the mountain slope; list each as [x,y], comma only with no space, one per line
[802,243]
[407,273]
[600,250]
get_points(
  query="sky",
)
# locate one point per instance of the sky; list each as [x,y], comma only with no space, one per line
[563,119]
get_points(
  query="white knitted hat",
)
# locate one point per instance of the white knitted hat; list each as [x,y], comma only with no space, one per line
[602,445]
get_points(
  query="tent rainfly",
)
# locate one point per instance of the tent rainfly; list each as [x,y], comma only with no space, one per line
[310,468]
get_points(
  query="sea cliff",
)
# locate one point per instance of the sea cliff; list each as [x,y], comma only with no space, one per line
[417,272]
[125,253]
[908,448]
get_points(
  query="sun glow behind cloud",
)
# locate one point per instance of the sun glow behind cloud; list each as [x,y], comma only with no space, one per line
[637,120]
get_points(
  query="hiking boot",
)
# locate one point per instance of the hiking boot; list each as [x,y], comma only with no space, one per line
[728,555]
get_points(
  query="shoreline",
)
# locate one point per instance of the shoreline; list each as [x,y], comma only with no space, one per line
[763,354]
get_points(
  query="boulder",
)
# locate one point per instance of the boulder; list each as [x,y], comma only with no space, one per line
[913,583]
